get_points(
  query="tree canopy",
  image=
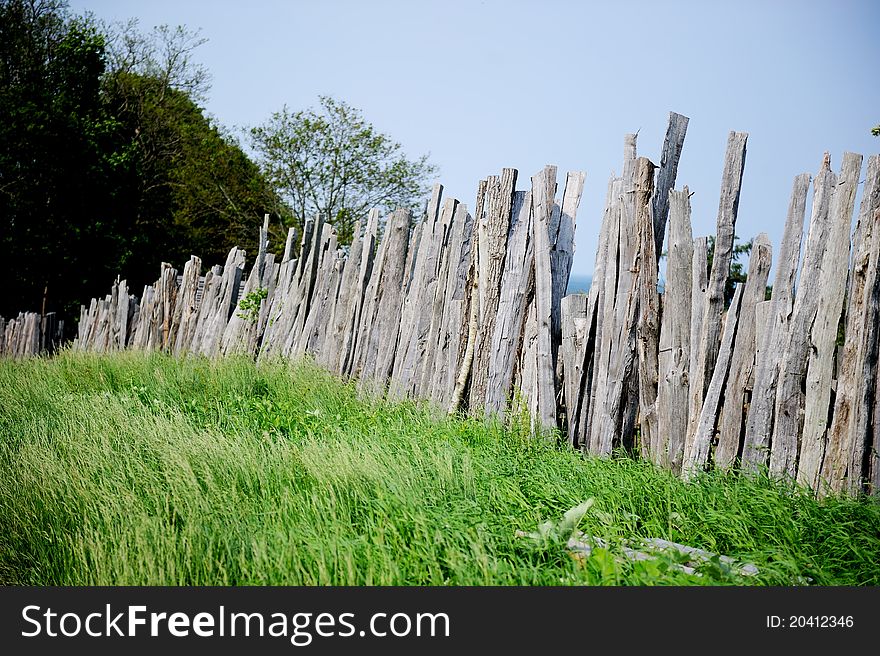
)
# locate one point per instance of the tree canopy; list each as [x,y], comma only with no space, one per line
[108,165]
[332,162]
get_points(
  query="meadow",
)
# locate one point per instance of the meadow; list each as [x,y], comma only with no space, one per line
[141,469]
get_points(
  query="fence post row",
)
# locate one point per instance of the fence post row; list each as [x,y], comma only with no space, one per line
[467,309]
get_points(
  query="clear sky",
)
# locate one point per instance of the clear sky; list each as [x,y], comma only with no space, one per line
[484,85]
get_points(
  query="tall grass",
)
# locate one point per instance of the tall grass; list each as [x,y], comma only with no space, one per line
[141,469]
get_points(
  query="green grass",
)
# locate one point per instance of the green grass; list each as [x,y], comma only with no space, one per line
[135,469]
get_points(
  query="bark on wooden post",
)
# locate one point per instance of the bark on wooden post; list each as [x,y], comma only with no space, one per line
[675,334]
[648,330]
[759,422]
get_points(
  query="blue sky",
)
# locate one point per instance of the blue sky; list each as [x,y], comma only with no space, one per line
[484,85]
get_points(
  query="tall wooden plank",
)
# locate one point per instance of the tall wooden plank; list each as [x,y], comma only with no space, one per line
[511,314]
[499,203]
[543,193]
[606,313]
[668,171]
[699,285]
[790,397]
[377,356]
[759,421]
[696,450]
[830,289]
[574,333]
[424,378]
[849,434]
[615,406]
[455,309]
[364,272]
[675,333]
[728,205]
[648,329]
[595,366]
[743,359]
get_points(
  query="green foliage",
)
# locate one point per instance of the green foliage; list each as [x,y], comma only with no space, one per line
[249,306]
[52,130]
[107,163]
[143,469]
[876,130]
[332,162]
[738,272]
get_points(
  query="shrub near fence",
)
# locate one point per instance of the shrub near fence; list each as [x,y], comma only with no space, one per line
[467,310]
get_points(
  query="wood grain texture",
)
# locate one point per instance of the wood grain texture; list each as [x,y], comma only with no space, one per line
[696,450]
[675,333]
[728,205]
[759,422]
[742,363]
[849,433]
[790,397]
[543,192]
[673,143]
[648,327]
[830,290]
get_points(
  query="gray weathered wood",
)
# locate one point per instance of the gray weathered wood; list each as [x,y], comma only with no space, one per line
[499,203]
[790,397]
[512,303]
[696,450]
[455,308]
[675,333]
[699,285]
[648,330]
[580,415]
[759,421]
[574,334]
[728,205]
[543,192]
[608,332]
[419,302]
[425,370]
[849,434]
[666,174]
[742,362]
[830,290]
[382,327]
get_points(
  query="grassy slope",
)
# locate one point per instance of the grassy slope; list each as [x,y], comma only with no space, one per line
[137,469]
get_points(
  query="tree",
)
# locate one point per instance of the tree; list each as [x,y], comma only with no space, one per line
[333,163]
[876,130]
[189,187]
[52,128]
[737,273]
[109,169]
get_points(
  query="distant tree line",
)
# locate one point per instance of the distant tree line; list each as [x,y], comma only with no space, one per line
[109,164]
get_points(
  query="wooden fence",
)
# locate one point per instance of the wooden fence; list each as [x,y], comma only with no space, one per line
[468,310]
